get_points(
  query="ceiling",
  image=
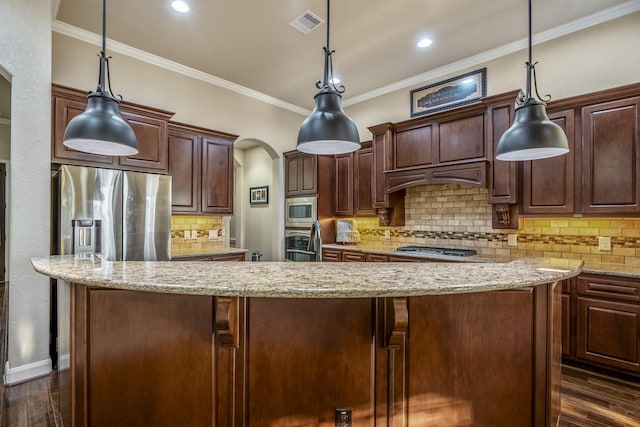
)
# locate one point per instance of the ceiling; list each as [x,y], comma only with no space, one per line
[249,42]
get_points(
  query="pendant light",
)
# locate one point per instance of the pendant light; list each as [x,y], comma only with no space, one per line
[532,135]
[101,129]
[328,129]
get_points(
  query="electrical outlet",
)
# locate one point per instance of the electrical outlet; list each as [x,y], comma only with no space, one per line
[344,418]
[512,240]
[604,243]
[186,234]
[387,234]
[194,234]
[213,234]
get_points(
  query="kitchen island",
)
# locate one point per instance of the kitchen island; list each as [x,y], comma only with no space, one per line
[287,344]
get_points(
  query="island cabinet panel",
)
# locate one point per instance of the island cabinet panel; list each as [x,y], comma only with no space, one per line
[142,359]
[548,185]
[306,358]
[460,365]
[611,157]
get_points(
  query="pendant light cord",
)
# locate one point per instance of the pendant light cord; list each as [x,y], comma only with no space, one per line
[531,69]
[327,81]
[104,59]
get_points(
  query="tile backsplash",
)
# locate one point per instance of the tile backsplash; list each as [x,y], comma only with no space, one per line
[197,229]
[459,216]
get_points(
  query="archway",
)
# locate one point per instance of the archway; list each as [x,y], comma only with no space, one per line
[258,226]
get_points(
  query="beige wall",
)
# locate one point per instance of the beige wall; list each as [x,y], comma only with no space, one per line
[593,59]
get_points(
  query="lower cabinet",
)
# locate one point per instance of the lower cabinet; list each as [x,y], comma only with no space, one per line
[602,321]
[220,257]
[139,359]
[345,255]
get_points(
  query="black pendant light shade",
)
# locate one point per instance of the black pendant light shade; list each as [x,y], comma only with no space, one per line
[101,129]
[532,135]
[328,129]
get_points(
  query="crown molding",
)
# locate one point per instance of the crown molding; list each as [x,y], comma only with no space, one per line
[123,49]
[615,12]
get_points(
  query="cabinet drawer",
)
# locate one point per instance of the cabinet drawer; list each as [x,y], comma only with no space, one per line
[352,256]
[608,333]
[599,286]
[377,258]
[329,255]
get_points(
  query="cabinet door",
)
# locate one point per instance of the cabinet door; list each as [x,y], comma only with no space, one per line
[344,185]
[566,324]
[362,181]
[461,139]
[503,177]
[548,184]
[217,175]
[382,159]
[414,147]
[608,333]
[611,157]
[301,171]
[151,134]
[184,170]
[65,109]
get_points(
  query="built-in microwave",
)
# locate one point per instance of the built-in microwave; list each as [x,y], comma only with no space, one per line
[300,211]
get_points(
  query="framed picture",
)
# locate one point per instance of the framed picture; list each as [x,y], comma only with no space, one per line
[259,195]
[454,92]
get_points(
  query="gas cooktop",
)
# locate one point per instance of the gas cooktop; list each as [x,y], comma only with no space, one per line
[429,250]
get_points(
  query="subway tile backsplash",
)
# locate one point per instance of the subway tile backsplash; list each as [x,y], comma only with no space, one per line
[459,216]
[201,226]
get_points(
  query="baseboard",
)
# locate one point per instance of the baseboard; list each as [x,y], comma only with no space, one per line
[26,372]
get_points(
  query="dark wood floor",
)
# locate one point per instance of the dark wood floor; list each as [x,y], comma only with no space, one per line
[588,400]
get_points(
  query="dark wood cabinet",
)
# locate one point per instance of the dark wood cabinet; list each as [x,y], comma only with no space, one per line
[389,207]
[200,162]
[344,185]
[348,256]
[602,320]
[331,255]
[300,171]
[353,182]
[548,185]
[611,157]
[149,125]
[217,257]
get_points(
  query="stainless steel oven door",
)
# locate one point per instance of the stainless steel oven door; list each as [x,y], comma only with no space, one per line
[295,246]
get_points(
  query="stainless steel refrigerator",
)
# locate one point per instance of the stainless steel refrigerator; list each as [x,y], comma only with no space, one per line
[119,215]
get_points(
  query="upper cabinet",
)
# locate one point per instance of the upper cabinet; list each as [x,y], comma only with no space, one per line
[149,125]
[301,173]
[353,182]
[611,157]
[201,165]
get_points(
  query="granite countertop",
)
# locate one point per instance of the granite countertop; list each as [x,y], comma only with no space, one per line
[603,268]
[222,250]
[306,280]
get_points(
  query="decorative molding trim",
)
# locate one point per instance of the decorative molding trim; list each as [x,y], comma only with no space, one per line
[26,372]
[121,48]
[623,9]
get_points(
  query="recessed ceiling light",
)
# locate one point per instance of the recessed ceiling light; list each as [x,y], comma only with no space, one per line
[424,42]
[180,6]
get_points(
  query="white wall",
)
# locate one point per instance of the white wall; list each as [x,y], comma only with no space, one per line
[25,56]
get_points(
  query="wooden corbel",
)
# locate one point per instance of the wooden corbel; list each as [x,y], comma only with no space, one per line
[227,321]
[396,322]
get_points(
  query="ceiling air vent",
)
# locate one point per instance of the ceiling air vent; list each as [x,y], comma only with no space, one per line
[306,22]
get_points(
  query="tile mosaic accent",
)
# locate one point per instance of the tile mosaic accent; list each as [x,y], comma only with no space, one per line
[458,216]
[201,226]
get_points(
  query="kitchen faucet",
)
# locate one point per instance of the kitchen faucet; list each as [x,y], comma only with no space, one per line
[315,242]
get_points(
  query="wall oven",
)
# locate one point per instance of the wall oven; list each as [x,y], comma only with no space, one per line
[300,211]
[296,243]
